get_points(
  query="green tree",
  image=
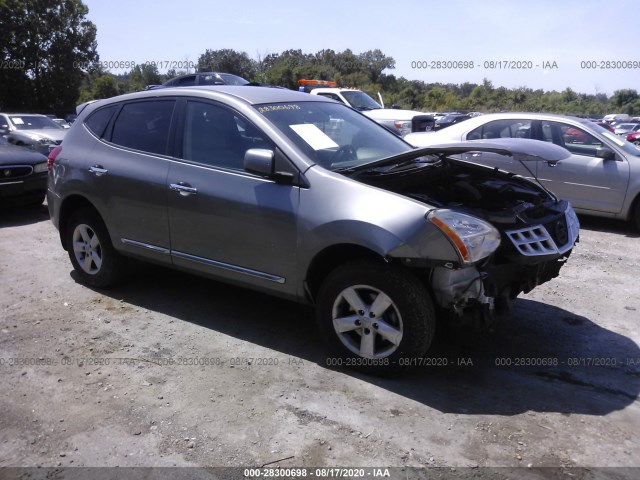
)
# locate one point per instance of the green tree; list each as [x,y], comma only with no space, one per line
[228,61]
[141,76]
[624,101]
[375,62]
[54,45]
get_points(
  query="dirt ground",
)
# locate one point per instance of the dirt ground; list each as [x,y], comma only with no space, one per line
[173,370]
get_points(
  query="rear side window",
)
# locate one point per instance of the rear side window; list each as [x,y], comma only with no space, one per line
[186,81]
[97,122]
[144,126]
[502,129]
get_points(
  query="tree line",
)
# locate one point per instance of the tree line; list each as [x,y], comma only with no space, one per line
[50,63]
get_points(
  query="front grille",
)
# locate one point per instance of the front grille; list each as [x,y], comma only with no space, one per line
[533,241]
[12,172]
[552,238]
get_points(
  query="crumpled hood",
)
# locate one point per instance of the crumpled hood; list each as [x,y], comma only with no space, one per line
[521,149]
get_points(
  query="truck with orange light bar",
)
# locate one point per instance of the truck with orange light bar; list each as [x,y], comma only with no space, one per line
[401,122]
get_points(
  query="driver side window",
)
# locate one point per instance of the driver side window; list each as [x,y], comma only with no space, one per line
[574,139]
[216,136]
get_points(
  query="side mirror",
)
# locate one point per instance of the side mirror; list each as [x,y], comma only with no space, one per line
[605,153]
[259,161]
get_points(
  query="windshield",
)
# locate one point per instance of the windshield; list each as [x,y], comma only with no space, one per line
[333,135]
[628,147]
[360,100]
[33,122]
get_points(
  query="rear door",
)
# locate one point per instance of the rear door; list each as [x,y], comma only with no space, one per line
[224,221]
[128,172]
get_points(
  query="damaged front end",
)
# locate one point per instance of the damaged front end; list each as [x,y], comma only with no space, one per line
[537,231]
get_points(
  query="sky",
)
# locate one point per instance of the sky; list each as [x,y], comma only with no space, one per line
[554,38]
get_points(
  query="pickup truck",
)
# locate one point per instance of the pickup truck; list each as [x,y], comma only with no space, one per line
[401,122]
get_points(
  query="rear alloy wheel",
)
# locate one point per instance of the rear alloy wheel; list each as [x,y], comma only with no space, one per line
[90,250]
[375,317]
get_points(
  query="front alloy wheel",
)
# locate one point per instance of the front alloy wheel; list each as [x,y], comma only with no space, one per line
[367,321]
[376,317]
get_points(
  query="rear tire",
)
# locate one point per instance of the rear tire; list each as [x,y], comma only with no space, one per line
[636,214]
[375,317]
[91,252]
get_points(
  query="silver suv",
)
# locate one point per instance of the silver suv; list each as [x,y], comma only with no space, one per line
[302,197]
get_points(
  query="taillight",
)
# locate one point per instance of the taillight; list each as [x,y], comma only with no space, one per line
[52,157]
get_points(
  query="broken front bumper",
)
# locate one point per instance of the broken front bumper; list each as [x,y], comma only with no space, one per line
[529,257]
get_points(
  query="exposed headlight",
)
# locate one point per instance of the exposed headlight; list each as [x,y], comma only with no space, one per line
[474,239]
[45,141]
[40,167]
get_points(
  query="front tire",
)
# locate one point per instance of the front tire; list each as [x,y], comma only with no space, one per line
[374,316]
[91,252]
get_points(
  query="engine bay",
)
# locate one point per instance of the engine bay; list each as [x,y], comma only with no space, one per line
[498,197]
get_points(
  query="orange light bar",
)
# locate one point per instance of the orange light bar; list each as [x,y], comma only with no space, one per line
[323,83]
[453,236]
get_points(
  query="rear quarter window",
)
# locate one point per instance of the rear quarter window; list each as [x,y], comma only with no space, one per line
[97,122]
[144,126]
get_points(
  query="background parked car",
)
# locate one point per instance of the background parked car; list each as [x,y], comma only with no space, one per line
[625,129]
[602,176]
[202,78]
[62,122]
[634,138]
[23,175]
[604,125]
[450,119]
[38,132]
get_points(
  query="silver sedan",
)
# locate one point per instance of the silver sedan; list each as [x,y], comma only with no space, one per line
[601,177]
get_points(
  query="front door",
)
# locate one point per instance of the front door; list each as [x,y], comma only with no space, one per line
[224,221]
[587,181]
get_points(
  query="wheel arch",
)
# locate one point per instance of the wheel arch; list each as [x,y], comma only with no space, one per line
[331,257]
[69,206]
[634,212]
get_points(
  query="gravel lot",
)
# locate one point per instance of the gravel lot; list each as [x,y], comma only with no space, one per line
[169,369]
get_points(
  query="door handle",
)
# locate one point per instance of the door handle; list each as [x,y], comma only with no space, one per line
[98,170]
[183,189]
